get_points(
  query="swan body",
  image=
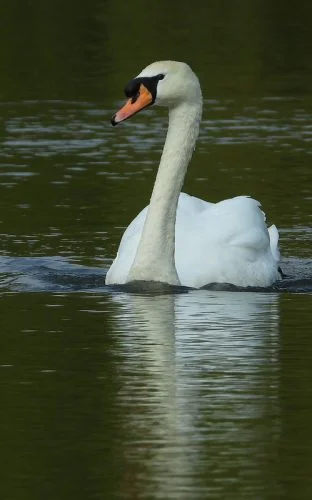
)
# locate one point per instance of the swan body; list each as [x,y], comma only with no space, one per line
[179,239]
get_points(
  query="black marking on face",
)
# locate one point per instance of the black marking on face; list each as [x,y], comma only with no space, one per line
[132,89]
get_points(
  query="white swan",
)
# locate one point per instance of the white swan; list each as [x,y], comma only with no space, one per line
[179,239]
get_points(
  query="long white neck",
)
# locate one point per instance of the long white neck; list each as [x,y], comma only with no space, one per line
[155,257]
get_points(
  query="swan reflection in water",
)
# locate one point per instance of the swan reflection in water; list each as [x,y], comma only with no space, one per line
[198,390]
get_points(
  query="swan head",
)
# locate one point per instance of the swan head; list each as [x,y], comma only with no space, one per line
[166,83]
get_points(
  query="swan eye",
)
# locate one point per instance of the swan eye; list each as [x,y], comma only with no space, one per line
[161,76]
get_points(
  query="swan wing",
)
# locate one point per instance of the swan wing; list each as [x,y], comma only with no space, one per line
[227,242]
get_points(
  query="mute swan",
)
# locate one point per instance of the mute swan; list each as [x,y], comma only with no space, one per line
[179,239]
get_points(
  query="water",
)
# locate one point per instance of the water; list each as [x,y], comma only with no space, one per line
[113,393]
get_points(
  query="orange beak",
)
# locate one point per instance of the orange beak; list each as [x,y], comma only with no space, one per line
[133,105]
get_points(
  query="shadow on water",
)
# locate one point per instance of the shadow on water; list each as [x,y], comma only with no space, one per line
[54,274]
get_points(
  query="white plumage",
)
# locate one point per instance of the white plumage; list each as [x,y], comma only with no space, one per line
[225,242]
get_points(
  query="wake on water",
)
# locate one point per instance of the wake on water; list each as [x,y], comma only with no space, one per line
[55,274]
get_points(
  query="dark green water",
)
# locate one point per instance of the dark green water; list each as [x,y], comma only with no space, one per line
[111,394]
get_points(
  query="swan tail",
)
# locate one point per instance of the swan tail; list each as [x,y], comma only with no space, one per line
[274,236]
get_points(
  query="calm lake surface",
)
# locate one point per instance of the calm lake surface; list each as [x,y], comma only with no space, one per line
[176,394]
